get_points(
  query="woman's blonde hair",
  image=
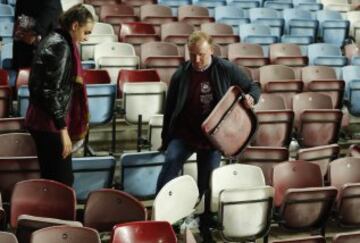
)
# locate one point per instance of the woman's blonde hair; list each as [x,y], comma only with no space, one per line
[78,13]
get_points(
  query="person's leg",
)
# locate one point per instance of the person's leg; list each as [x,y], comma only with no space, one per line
[175,156]
[207,161]
[52,165]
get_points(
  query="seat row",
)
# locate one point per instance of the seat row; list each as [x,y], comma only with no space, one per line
[238,190]
[49,203]
[279,110]
[278,21]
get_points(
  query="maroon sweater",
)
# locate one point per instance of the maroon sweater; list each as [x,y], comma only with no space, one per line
[199,104]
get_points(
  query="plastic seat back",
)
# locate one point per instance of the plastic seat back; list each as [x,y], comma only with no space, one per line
[96,76]
[332,27]
[162,56]
[156,15]
[323,79]
[320,155]
[4,77]
[7,237]
[287,54]
[92,173]
[269,17]
[17,144]
[281,80]
[247,54]
[101,98]
[295,174]
[137,33]
[149,231]
[309,101]
[107,207]
[177,33]
[140,172]
[113,56]
[181,194]
[245,213]
[15,169]
[270,102]
[194,15]
[351,76]
[143,98]
[300,22]
[275,128]
[306,239]
[326,55]
[266,158]
[257,33]
[5,101]
[231,15]
[68,234]
[45,198]
[116,14]
[142,75]
[231,177]
[155,129]
[350,237]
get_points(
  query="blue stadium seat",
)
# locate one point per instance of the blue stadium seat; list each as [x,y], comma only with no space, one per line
[6,10]
[23,95]
[6,30]
[269,17]
[6,22]
[351,76]
[332,28]
[259,34]
[92,173]
[140,172]
[279,5]
[310,5]
[300,22]
[101,98]
[209,4]
[174,4]
[326,55]
[6,55]
[231,15]
[245,4]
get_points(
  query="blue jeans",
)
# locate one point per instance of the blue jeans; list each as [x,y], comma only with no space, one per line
[176,155]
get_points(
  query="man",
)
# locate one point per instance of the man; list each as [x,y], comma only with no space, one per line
[195,88]
[39,15]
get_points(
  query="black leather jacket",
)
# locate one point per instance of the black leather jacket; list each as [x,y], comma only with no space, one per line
[50,80]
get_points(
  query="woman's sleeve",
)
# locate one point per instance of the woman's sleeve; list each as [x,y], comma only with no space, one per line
[54,61]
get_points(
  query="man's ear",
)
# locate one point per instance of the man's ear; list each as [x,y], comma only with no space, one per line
[212,49]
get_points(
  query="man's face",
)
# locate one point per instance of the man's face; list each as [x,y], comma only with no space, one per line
[200,54]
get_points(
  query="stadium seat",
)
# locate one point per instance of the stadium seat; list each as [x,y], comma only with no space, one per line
[145,231]
[105,208]
[72,234]
[265,158]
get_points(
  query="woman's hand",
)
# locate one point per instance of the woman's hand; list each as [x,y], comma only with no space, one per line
[66,142]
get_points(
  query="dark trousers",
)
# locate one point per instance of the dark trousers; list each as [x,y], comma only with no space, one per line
[207,160]
[52,165]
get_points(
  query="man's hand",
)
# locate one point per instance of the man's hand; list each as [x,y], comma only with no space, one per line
[249,101]
[66,142]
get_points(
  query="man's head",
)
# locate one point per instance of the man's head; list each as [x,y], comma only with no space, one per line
[200,49]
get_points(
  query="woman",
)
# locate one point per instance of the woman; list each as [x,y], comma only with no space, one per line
[58,111]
